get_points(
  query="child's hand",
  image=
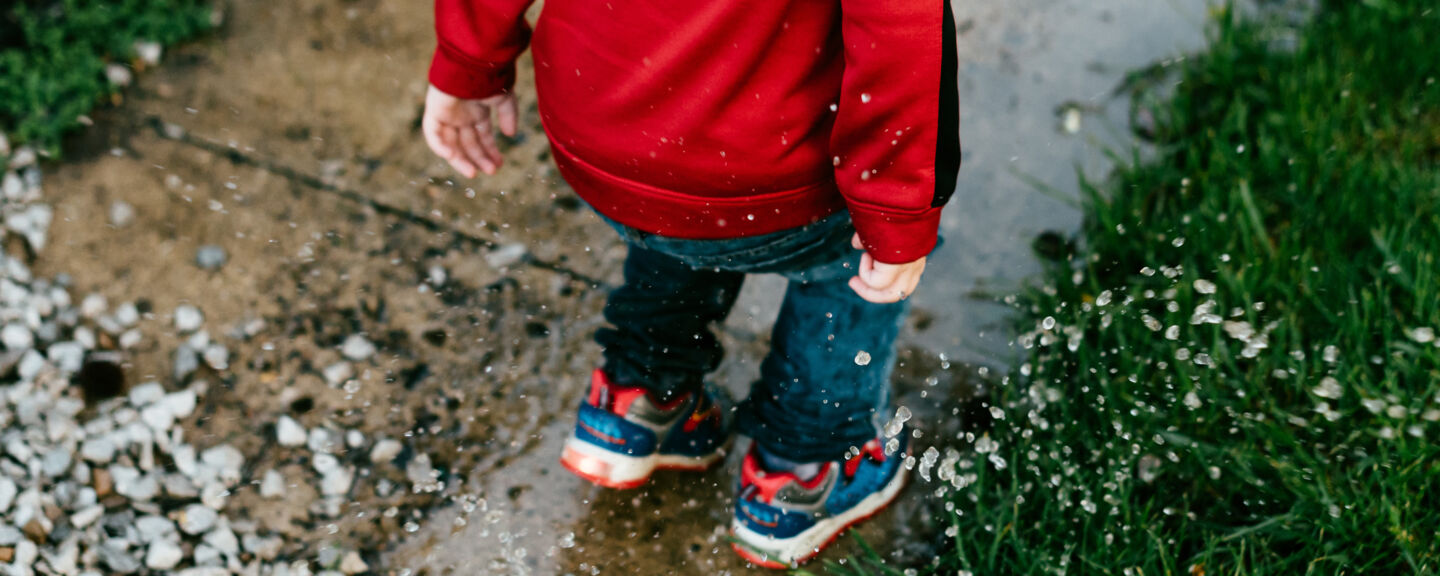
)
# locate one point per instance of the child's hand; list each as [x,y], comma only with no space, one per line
[459,130]
[883,283]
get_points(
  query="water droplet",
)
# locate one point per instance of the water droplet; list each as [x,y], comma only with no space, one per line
[865,97]
[1421,335]
[1204,286]
[1329,388]
[862,358]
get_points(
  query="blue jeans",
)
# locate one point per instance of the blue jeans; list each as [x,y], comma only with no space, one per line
[824,385]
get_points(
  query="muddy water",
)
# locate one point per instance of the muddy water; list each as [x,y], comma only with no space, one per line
[300,157]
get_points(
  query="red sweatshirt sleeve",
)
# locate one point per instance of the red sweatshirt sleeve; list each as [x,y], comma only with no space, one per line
[896,136]
[479,43]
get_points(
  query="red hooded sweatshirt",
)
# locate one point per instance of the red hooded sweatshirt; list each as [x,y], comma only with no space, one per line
[733,118]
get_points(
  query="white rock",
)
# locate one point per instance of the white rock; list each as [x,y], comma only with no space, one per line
[385,450]
[185,461]
[67,356]
[199,340]
[217,356]
[87,516]
[148,51]
[197,519]
[55,462]
[146,394]
[22,157]
[357,348]
[207,555]
[181,403]
[272,485]
[224,540]
[188,318]
[507,255]
[99,449]
[158,417]
[131,338]
[118,74]
[321,441]
[121,214]
[8,490]
[353,564]
[214,495]
[354,438]
[290,433]
[153,528]
[16,336]
[163,555]
[337,373]
[325,463]
[93,305]
[30,366]
[438,276]
[204,570]
[226,460]
[127,314]
[337,482]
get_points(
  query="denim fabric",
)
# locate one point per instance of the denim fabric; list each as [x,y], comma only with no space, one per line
[825,382]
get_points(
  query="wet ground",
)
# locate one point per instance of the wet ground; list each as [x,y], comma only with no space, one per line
[290,138]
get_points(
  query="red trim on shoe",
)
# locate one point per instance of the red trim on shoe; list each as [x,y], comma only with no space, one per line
[617,399]
[873,449]
[767,484]
[758,557]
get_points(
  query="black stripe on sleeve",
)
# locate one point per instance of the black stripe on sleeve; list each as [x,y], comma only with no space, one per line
[947,140]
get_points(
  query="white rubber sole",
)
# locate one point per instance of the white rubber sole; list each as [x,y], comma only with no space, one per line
[612,470]
[790,552]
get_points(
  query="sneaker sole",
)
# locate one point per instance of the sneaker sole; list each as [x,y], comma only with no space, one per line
[783,554]
[618,471]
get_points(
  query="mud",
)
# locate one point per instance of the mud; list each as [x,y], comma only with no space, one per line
[290,139]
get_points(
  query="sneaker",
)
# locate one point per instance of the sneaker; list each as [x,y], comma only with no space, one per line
[782,521]
[622,435]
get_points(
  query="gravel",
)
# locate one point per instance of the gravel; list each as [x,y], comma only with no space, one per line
[290,433]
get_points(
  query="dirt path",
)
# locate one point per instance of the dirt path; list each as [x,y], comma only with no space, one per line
[290,140]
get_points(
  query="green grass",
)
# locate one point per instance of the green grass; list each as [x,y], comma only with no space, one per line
[1232,375]
[53,55]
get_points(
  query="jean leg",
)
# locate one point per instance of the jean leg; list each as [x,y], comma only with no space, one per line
[660,336]
[826,382]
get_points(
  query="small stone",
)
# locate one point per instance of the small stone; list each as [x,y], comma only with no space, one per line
[225,459]
[180,403]
[99,449]
[163,555]
[320,441]
[8,490]
[325,463]
[272,484]
[55,462]
[337,482]
[131,338]
[224,540]
[158,418]
[87,516]
[93,306]
[102,481]
[197,519]
[217,356]
[121,214]
[143,395]
[263,548]
[180,486]
[187,361]
[188,318]
[16,336]
[148,51]
[119,75]
[214,495]
[290,433]
[66,356]
[506,256]
[357,348]
[437,275]
[208,570]
[112,553]
[354,438]
[131,484]
[337,373]
[211,257]
[353,564]
[10,535]
[153,528]
[207,555]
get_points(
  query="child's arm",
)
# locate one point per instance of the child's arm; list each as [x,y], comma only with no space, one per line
[473,74]
[896,135]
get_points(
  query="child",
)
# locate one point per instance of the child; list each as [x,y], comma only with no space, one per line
[816,139]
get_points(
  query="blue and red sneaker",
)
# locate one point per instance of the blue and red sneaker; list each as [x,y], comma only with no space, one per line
[782,521]
[623,435]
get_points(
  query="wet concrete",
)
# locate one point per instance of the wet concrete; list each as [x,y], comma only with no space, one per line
[290,139]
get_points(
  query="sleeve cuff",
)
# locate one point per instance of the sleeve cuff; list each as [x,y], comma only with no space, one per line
[468,79]
[897,238]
